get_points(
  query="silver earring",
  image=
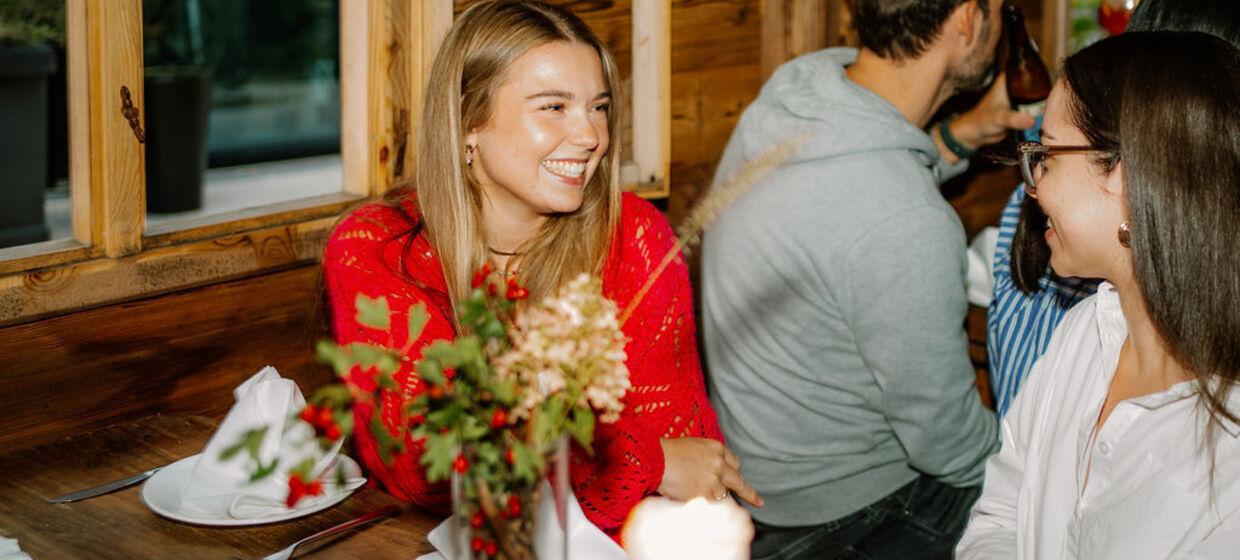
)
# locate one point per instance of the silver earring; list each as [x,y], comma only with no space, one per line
[469,155]
[1125,235]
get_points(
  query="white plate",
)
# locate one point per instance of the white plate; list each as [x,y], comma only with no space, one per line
[162,494]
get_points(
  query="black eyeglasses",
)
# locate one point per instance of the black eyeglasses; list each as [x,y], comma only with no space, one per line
[1033,160]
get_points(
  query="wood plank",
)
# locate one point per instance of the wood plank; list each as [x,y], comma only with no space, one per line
[354,97]
[652,84]
[119,526]
[77,57]
[181,353]
[43,255]
[30,295]
[117,156]
[248,219]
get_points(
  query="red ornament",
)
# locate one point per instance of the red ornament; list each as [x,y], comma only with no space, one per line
[499,418]
[476,520]
[461,464]
[491,549]
[476,544]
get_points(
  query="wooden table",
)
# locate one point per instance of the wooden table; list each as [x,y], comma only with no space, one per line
[118,525]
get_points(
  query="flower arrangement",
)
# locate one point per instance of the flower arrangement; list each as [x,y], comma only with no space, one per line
[503,394]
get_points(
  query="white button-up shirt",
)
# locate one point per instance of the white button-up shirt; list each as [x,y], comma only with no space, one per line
[1149,492]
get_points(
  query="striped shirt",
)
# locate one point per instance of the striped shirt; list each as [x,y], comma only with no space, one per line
[1019,325]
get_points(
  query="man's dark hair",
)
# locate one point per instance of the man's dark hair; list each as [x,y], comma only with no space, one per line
[900,29]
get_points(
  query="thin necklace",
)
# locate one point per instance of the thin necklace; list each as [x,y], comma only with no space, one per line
[503,253]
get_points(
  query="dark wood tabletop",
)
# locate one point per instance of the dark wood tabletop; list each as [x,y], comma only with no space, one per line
[119,525]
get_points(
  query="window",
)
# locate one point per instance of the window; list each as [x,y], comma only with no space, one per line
[119,251]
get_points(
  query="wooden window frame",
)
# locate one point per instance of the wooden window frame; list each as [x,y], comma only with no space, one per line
[386,49]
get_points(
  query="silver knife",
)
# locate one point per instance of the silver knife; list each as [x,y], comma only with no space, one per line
[103,488]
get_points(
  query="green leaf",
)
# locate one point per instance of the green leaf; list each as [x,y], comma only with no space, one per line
[549,422]
[384,440]
[430,370]
[440,451]
[336,395]
[250,442]
[264,470]
[581,426]
[373,313]
[303,468]
[445,416]
[526,464]
[464,350]
[473,429]
[331,353]
[417,321]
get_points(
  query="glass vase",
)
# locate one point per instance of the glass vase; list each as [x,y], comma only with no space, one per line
[504,519]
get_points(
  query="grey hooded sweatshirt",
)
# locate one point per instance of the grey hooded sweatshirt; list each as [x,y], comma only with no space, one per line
[833,297]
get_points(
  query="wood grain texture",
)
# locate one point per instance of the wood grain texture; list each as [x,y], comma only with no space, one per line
[651,75]
[354,96]
[31,295]
[117,164]
[77,55]
[183,352]
[119,526]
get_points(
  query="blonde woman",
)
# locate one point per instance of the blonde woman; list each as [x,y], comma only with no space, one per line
[517,168]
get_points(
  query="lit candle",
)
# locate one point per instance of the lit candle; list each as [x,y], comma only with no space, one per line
[665,529]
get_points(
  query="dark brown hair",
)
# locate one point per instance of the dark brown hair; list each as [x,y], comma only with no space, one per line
[1164,104]
[1030,256]
[900,29]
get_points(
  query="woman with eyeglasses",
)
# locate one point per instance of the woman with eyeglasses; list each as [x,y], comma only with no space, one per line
[1029,300]
[1125,441]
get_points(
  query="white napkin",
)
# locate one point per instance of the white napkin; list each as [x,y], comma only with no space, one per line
[221,489]
[10,551]
[981,278]
[585,540]
[665,529]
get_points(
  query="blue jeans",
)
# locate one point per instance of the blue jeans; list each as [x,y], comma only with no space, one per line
[923,519]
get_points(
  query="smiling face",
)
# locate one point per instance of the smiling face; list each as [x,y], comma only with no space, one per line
[546,134]
[1083,204]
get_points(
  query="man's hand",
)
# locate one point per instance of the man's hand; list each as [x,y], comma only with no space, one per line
[987,122]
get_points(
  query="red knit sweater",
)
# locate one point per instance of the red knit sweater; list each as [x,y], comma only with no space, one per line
[667,398]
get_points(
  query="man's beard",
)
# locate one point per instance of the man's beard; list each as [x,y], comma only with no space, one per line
[974,72]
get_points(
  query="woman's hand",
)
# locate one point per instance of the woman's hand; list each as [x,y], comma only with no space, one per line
[700,467]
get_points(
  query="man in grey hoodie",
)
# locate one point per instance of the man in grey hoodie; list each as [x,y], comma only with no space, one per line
[834,291]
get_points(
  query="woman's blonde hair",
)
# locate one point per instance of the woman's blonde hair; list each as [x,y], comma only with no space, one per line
[470,68]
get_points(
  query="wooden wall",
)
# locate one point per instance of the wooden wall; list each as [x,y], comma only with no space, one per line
[183,352]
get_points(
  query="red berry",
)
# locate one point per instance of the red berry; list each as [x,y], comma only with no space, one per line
[514,506]
[417,420]
[476,544]
[461,464]
[436,392]
[308,414]
[324,419]
[509,457]
[449,373]
[480,275]
[492,290]
[333,432]
[491,549]
[499,418]
[314,488]
[296,490]
[476,520]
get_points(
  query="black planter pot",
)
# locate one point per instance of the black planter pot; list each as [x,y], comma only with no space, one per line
[177,102]
[23,142]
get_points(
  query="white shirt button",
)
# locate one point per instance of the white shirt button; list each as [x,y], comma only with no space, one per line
[1104,448]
